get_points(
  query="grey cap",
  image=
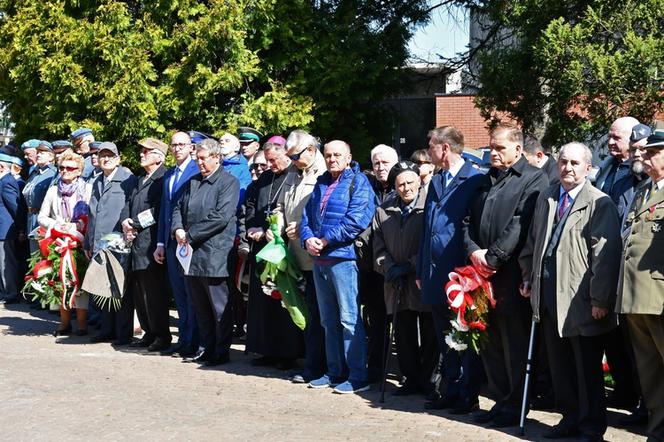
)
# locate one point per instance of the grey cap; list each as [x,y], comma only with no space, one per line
[107,145]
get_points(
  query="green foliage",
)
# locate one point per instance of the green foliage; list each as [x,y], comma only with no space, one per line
[132,69]
[575,66]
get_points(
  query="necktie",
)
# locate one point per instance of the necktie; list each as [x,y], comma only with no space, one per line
[176,178]
[563,205]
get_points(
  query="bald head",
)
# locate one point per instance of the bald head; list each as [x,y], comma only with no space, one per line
[337,157]
[181,147]
[619,134]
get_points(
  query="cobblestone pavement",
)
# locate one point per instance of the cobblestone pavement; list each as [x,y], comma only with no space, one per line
[69,389]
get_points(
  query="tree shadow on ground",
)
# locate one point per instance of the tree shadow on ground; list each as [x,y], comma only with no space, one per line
[43,323]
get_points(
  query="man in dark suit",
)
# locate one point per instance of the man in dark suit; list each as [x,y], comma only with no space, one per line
[9,214]
[494,234]
[441,250]
[571,261]
[537,156]
[204,219]
[149,288]
[110,193]
[175,181]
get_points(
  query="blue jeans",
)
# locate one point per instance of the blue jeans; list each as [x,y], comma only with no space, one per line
[187,327]
[338,303]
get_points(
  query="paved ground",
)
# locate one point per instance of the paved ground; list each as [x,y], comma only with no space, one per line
[69,389]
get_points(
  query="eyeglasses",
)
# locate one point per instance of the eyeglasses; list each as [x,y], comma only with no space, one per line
[180,145]
[297,156]
[255,166]
[68,168]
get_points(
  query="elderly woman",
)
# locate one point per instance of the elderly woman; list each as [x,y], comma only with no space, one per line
[58,209]
[397,227]
[204,219]
[38,183]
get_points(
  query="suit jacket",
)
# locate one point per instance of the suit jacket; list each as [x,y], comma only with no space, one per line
[550,168]
[587,259]
[107,206]
[170,199]
[206,212]
[441,245]
[603,172]
[145,197]
[641,289]
[9,208]
[499,219]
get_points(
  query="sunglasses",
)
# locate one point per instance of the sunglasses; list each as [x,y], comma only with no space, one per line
[419,163]
[68,168]
[255,166]
[297,156]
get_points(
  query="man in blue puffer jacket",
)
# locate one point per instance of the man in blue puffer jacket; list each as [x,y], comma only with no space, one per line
[340,208]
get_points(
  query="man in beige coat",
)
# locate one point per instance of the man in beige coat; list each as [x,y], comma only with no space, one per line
[641,291]
[307,165]
[570,266]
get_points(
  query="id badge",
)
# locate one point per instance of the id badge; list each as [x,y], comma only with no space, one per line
[145,219]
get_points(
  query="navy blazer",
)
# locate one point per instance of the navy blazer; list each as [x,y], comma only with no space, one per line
[168,201]
[9,207]
[441,245]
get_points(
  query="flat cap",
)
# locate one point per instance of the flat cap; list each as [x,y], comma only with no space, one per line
[80,132]
[656,139]
[154,144]
[30,144]
[639,132]
[248,135]
[107,145]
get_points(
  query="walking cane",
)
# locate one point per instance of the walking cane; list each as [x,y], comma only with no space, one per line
[529,371]
[395,307]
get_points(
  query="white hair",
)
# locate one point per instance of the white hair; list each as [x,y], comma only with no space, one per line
[301,139]
[385,150]
[587,153]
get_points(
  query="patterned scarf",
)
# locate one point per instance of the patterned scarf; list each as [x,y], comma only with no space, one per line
[66,191]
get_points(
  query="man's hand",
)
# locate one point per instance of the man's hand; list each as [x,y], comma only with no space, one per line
[599,312]
[159,254]
[478,258]
[255,234]
[127,225]
[418,283]
[243,252]
[314,246]
[181,236]
[525,289]
[292,232]
[269,235]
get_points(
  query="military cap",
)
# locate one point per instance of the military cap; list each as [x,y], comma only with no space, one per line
[401,167]
[46,144]
[154,144]
[4,158]
[656,139]
[62,145]
[197,136]
[639,132]
[17,161]
[248,135]
[107,145]
[80,132]
[94,146]
[8,149]
[30,144]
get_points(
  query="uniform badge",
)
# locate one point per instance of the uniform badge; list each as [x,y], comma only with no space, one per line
[656,227]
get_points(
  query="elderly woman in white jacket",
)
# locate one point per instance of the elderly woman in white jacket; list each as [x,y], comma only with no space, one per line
[58,209]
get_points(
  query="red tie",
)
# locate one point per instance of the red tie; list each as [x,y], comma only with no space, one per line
[564,204]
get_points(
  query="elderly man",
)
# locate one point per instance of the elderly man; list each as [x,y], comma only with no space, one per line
[536,156]
[570,266]
[303,151]
[35,188]
[250,142]
[499,218]
[441,250]
[110,194]
[270,331]
[624,189]
[234,163]
[641,290]
[9,211]
[204,219]
[175,181]
[616,166]
[29,149]
[149,290]
[81,139]
[340,208]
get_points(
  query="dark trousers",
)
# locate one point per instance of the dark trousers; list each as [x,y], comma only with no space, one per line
[417,349]
[187,328]
[8,270]
[463,373]
[374,315]
[118,324]
[578,381]
[315,363]
[151,302]
[504,357]
[214,313]
[239,304]
[622,365]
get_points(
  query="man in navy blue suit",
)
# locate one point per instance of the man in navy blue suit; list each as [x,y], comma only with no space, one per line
[9,213]
[175,181]
[441,250]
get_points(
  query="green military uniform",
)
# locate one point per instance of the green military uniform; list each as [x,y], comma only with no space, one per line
[641,296]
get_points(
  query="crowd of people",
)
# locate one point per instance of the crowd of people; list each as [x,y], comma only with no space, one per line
[570,246]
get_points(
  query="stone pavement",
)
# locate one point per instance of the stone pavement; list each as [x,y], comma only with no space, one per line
[69,389]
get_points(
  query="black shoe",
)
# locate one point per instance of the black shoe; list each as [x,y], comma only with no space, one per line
[62,331]
[142,343]
[174,348]
[217,360]
[10,301]
[263,361]
[432,396]
[101,338]
[542,403]
[82,332]
[238,332]
[465,406]
[121,343]
[443,403]
[187,351]
[407,390]
[623,403]
[286,364]
[159,345]
[502,420]
[638,417]
[486,416]
[591,438]
[562,430]
[200,357]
